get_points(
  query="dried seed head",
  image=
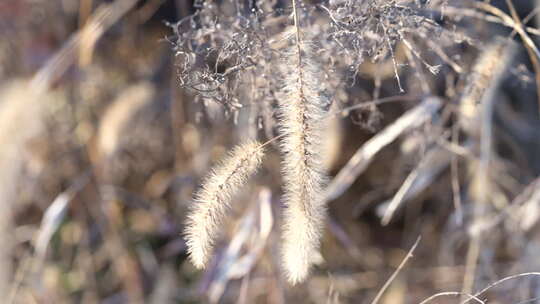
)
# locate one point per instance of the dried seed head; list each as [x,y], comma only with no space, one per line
[118,115]
[302,114]
[213,199]
[486,75]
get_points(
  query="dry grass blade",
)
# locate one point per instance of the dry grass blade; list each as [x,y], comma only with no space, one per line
[396,272]
[418,180]
[452,294]
[53,216]
[529,205]
[532,50]
[230,257]
[19,123]
[518,27]
[32,94]
[513,277]
[105,16]
[214,197]
[363,157]
[511,21]
[254,229]
[473,13]
[533,300]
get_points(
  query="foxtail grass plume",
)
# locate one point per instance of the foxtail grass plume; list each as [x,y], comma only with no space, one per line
[213,200]
[485,77]
[302,105]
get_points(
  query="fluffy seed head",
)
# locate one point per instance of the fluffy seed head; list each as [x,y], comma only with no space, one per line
[212,201]
[302,109]
[486,73]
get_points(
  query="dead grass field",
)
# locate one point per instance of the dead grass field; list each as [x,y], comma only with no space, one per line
[393,156]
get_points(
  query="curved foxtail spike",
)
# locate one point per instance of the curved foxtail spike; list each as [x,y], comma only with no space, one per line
[212,201]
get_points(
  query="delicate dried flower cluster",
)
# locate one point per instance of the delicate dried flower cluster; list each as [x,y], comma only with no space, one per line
[228,51]
[373,29]
[220,54]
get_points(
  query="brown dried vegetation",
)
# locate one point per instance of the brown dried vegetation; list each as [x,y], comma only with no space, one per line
[380,121]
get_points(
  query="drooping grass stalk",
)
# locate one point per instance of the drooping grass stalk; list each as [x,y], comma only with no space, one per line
[301,121]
